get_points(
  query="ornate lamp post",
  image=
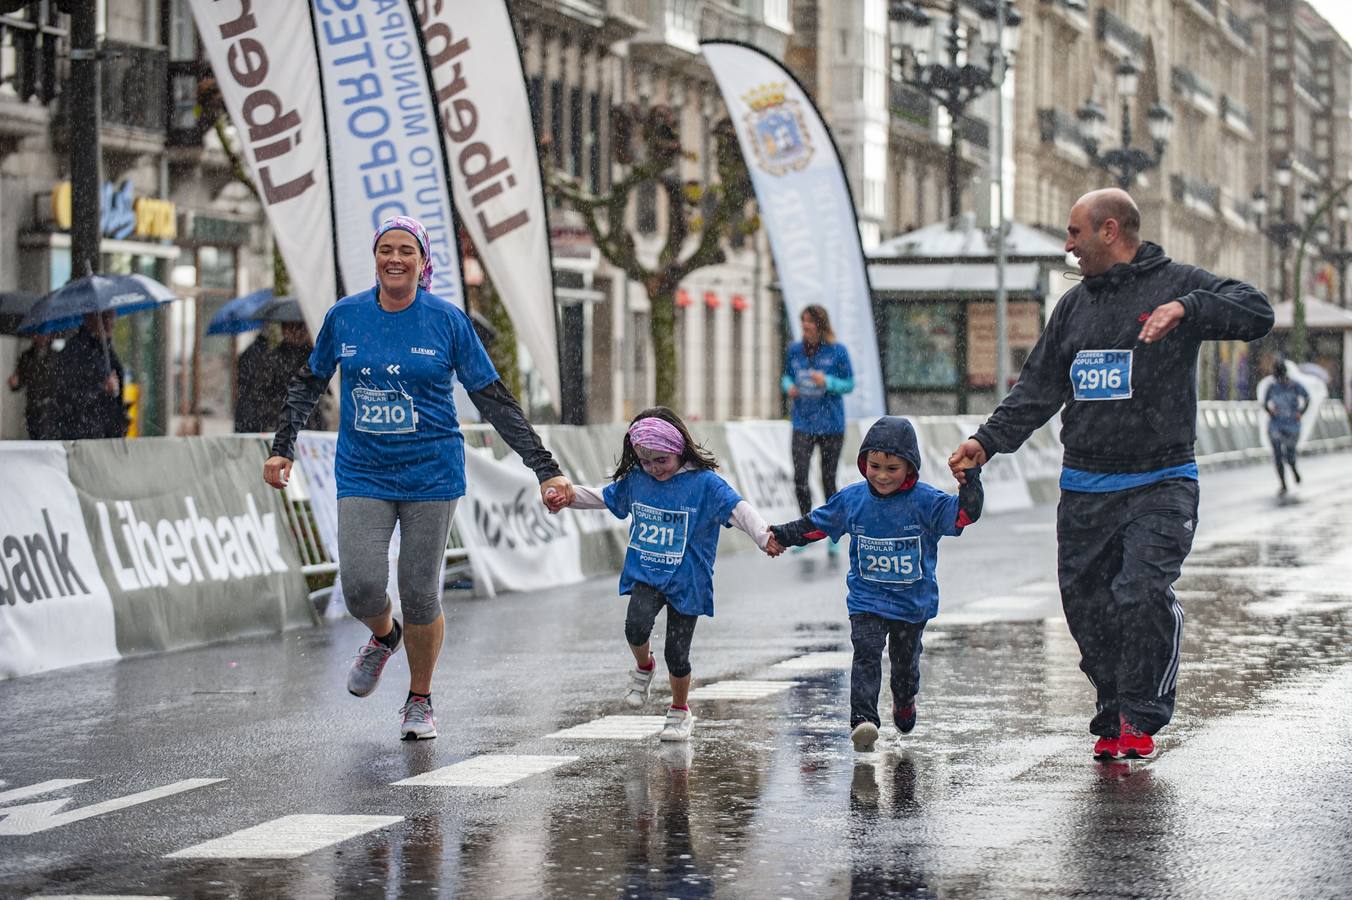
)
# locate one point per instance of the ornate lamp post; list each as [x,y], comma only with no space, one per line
[953,84]
[1125,162]
[1339,255]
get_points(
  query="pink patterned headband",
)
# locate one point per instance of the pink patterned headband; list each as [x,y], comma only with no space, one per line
[656,434]
[415,228]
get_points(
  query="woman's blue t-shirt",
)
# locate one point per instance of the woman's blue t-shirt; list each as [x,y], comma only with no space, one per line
[398,435]
[817,410]
[894,547]
[673,536]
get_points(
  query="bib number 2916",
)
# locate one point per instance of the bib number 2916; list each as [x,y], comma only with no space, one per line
[1101,375]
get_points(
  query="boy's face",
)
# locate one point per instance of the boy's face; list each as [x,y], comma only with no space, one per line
[886,472]
[660,464]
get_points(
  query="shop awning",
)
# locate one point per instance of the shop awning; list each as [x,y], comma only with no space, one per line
[953,279]
[1319,314]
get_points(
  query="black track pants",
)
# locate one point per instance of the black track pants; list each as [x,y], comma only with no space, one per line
[1118,555]
[801,449]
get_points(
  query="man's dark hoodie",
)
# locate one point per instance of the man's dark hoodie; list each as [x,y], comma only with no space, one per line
[1156,427]
[894,435]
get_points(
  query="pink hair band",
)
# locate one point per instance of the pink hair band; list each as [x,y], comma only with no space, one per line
[656,434]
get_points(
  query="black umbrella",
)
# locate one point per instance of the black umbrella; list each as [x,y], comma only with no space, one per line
[14,305]
[64,307]
[280,309]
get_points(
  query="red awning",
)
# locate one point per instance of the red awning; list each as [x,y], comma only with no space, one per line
[711,300]
[683,298]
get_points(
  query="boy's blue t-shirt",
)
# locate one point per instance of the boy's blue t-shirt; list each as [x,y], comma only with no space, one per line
[894,547]
[815,410]
[398,435]
[673,537]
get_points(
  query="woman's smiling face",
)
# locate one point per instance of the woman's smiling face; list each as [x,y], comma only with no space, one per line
[399,261]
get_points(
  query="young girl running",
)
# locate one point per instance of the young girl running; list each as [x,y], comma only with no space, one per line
[666,482]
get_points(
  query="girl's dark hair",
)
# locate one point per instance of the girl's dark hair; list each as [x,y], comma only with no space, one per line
[694,455]
[823,322]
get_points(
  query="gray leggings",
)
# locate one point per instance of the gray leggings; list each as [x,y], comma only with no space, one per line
[364,529]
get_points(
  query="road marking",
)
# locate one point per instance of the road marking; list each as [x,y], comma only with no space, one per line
[614,728]
[42,787]
[740,690]
[98,897]
[831,659]
[286,838]
[490,770]
[34,817]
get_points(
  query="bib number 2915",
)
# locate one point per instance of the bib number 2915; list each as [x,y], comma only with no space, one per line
[889,560]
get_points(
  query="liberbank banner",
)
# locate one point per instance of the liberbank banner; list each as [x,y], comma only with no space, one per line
[263,55]
[805,204]
[384,132]
[192,545]
[55,610]
[485,117]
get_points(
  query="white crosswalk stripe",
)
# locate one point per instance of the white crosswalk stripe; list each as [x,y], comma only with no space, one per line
[811,662]
[35,790]
[614,728]
[740,690]
[286,838]
[99,897]
[492,770]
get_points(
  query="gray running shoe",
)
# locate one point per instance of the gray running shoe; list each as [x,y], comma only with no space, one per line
[640,685]
[678,725]
[364,675]
[864,736]
[419,723]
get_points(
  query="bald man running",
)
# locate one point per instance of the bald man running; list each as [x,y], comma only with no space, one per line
[1120,353]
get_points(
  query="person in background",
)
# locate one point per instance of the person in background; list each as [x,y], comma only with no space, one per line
[35,375]
[88,383]
[817,376]
[1285,401]
[256,397]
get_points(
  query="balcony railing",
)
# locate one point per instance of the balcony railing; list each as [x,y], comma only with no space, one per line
[1189,82]
[1307,158]
[30,48]
[1238,27]
[1063,131]
[1195,194]
[1235,114]
[975,131]
[1114,30]
[1307,83]
[910,104]
[134,85]
[1206,5]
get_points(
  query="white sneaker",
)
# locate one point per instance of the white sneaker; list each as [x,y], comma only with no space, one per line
[679,724]
[640,685]
[864,736]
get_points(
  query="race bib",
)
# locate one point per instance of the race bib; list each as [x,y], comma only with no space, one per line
[383,412]
[1101,375]
[658,535]
[888,560]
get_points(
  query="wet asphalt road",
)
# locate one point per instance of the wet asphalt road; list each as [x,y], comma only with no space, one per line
[993,795]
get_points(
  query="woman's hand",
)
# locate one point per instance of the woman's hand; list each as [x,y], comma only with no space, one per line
[818,378]
[793,392]
[277,471]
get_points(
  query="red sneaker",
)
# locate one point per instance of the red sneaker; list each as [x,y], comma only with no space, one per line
[1133,743]
[904,716]
[1106,748]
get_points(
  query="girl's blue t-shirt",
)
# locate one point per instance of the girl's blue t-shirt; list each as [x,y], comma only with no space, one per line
[398,435]
[894,547]
[816,410]
[673,535]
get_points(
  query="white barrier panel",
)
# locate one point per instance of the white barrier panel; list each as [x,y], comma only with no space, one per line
[510,535]
[761,461]
[55,609]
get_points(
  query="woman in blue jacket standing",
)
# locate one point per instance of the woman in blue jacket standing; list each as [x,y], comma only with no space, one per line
[817,376]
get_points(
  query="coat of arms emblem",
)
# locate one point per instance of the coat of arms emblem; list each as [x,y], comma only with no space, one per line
[779,134]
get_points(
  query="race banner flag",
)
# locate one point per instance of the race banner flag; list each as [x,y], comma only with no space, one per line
[385,145]
[485,119]
[264,58]
[805,204]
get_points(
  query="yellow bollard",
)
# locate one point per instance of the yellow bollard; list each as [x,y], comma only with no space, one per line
[131,396]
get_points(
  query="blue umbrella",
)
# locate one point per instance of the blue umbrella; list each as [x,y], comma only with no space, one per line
[283,309]
[67,305]
[240,314]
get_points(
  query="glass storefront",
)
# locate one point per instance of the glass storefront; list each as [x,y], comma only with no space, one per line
[203,365]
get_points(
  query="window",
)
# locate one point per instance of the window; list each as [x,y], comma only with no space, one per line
[556,122]
[575,131]
[921,345]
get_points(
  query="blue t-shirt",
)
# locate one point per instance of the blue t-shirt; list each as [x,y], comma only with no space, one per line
[894,547]
[398,436]
[817,410]
[673,537]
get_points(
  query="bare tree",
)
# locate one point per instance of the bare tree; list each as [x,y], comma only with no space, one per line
[700,218]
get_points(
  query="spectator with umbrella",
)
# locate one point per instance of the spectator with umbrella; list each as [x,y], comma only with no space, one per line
[89,376]
[35,370]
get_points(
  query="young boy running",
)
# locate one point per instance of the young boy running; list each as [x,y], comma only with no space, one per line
[895,523]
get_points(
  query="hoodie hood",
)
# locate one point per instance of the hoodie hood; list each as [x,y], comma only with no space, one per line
[894,435]
[1149,257]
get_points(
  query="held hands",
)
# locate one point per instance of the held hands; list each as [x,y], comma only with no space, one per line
[969,454]
[773,547]
[557,493]
[1163,320]
[277,471]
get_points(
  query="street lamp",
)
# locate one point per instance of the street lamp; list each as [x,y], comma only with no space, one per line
[956,83]
[1125,163]
[1282,229]
[1340,255]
